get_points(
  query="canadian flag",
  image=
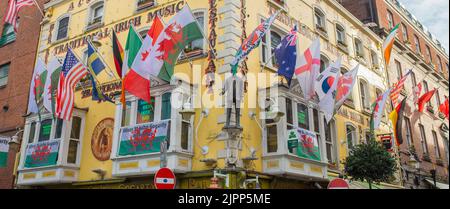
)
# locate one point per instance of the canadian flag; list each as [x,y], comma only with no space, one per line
[137,81]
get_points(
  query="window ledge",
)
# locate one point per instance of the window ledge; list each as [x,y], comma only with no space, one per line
[93,26]
[3,86]
[322,32]
[60,40]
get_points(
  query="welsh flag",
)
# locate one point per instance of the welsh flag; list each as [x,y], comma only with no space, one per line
[179,31]
[378,110]
[137,82]
[37,86]
[51,84]
[389,43]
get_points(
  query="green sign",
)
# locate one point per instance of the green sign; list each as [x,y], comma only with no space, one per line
[4,149]
[42,154]
[145,111]
[143,138]
[301,116]
[307,144]
[292,144]
[46,129]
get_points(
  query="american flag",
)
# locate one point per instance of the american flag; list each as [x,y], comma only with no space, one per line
[72,72]
[14,7]
[398,88]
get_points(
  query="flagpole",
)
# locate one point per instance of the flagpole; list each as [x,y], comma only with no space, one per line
[39,8]
[109,68]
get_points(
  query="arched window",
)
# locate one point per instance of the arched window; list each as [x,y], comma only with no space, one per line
[405,32]
[340,35]
[440,68]
[324,63]
[351,137]
[390,19]
[320,20]
[62,28]
[359,48]
[364,91]
[417,44]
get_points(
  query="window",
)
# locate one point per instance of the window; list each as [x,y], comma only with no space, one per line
[268,47]
[62,29]
[429,57]
[405,32]
[145,111]
[409,133]
[275,40]
[413,79]
[340,35]
[374,59]
[440,68]
[417,44]
[426,89]
[423,139]
[166,107]
[126,118]
[303,116]
[8,35]
[351,137]
[390,19]
[398,67]
[196,47]
[74,140]
[320,20]
[45,130]
[144,4]
[289,114]
[97,11]
[438,98]
[364,91]
[324,63]
[272,138]
[436,145]
[359,48]
[330,142]
[32,133]
[4,72]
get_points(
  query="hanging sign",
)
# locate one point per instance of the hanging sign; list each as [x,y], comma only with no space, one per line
[4,149]
[308,145]
[143,138]
[42,154]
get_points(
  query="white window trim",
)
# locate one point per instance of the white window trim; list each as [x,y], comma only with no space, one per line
[92,6]
[324,18]
[366,100]
[263,60]
[136,9]
[337,24]
[64,143]
[354,134]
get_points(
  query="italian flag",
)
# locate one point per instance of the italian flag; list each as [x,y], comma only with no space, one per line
[137,82]
[37,86]
[181,30]
[389,43]
[134,43]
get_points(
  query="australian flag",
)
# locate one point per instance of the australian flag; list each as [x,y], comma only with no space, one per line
[286,55]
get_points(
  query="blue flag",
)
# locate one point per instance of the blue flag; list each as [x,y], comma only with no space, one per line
[286,55]
[95,64]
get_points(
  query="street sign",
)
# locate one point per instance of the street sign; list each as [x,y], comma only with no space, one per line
[338,184]
[164,179]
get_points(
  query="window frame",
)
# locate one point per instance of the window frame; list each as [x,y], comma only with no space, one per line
[8,34]
[266,46]
[423,140]
[92,20]
[321,22]
[364,94]
[359,51]
[405,33]
[145,6]
[409,132]
[437,149]
[5,67]
[354,135]
[343,33]
[57,28]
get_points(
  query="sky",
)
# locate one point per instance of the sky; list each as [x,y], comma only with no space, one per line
[434,14]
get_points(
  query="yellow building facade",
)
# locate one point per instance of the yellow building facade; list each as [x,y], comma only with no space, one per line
[88,151]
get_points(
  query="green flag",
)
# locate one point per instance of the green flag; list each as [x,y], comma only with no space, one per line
[134,43]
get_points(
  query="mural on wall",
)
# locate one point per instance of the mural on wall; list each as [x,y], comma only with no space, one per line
[101,142]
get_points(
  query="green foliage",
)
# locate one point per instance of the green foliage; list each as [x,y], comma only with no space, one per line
[371,162]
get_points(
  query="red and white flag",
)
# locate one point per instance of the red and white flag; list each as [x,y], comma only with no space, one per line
[398,88]
[72,72]
[345,86]
[308,69]
[14,7]
[417,92]
[137,81]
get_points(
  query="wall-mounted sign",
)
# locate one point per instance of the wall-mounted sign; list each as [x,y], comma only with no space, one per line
[42,154]
[101,142]
[4,149]
[308,145]
[143,138]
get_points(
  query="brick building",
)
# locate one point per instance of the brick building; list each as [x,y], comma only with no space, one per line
[417,49]
[17,56]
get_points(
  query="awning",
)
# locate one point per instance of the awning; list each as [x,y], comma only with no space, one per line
[438,184]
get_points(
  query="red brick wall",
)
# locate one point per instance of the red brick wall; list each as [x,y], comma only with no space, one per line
[21,55]
[6,174]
